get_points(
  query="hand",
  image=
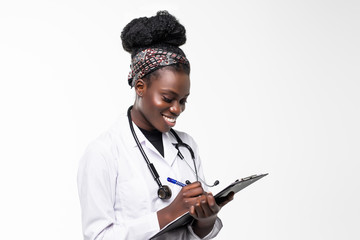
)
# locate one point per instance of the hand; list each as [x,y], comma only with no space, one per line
[205,212]
[186,198]
[206,206]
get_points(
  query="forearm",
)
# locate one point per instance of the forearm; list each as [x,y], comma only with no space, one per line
[164,217]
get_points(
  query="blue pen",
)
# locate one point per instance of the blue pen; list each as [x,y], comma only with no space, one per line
[176,182]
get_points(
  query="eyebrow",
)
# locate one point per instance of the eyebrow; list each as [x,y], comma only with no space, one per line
[174,93]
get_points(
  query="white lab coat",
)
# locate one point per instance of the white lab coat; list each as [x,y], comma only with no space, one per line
[118,194]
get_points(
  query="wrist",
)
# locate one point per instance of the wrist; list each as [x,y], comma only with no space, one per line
[205,222]
[166,215]
[203,227]
[163,217]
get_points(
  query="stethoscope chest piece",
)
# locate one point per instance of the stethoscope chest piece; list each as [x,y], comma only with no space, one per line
[164,192]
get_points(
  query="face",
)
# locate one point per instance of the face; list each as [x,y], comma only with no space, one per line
[159,105]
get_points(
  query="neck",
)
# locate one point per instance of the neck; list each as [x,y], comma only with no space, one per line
[139,119]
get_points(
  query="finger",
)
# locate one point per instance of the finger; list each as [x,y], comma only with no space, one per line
[192,185]
[206,208]
[211,200]
[192,211]
[195,192]
[230,196]
[190,201]
[199,210]
[212,203]
[192,192]
[193,200]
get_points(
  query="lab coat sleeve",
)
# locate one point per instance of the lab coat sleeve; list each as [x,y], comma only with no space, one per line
[186,233]
[96,184]
[214,232]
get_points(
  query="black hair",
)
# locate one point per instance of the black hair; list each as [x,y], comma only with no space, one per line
[160,31]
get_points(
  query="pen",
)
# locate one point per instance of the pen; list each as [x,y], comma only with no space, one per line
[176,182]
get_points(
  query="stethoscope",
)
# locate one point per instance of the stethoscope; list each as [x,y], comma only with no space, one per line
[164,192]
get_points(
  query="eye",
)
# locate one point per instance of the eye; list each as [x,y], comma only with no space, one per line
[168,100]
[183,101]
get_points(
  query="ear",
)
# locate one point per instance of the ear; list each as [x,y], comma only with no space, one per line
[140,87]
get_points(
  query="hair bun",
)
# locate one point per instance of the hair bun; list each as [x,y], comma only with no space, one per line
[162,29]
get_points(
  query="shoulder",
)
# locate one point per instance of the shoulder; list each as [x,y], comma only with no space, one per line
[113,135]
[105,146]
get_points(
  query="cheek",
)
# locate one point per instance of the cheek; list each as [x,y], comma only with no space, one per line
[158,102]
[152,105]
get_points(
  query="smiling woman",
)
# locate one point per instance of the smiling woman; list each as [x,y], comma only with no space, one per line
[157,107]
[122,197]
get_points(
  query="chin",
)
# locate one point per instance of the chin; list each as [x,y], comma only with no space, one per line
[163,129]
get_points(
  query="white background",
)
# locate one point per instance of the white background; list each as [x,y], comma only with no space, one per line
[275,88]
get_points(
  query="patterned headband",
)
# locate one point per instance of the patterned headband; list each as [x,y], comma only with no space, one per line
[151,59]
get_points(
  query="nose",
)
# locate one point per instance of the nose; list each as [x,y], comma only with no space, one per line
[176,108]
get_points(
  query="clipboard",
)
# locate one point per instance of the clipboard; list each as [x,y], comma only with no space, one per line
[235,187]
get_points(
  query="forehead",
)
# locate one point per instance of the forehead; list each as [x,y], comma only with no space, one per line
[172,81]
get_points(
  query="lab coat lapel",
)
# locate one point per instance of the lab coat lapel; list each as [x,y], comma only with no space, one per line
[170,152]
[146,144]
[169,148]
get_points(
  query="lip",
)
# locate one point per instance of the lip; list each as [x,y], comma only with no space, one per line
[170,121]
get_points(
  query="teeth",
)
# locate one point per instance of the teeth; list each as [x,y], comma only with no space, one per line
[172,120]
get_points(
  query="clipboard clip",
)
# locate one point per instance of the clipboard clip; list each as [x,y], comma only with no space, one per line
[247,178]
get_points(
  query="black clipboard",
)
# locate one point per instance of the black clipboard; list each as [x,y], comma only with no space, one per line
[235,187]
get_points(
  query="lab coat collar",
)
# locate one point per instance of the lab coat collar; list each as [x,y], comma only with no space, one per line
[170,152]
[169,149]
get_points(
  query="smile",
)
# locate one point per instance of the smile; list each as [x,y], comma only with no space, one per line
[172,120]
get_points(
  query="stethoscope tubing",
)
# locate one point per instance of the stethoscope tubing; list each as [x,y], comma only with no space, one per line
[151,167]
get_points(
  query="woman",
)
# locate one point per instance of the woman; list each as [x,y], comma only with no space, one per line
[122,173]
